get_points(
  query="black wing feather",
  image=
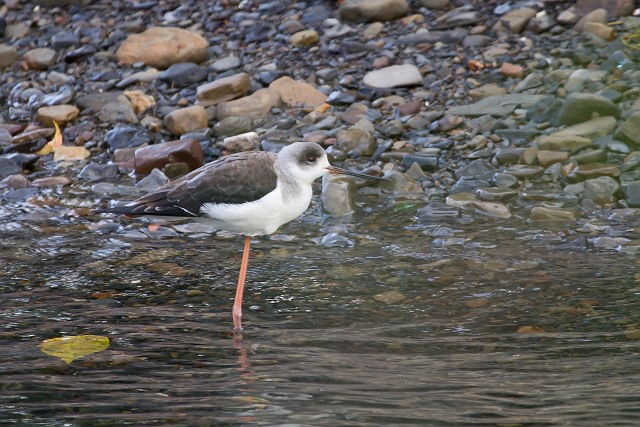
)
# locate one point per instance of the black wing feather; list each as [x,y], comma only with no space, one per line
[237,178]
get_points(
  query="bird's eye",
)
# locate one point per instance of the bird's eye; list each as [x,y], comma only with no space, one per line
[311,159]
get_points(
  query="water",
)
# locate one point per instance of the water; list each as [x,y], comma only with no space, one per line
[477,322]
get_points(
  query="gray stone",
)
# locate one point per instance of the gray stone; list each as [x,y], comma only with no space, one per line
[601,190]
[338,195]
[118,110]
[632,193]
[629,131]
[497,105]
[580,107]
[8,56]
[356,140]
[233,125]
[225,64]
[184,74]
[373,10]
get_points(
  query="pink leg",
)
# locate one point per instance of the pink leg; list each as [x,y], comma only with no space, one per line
[237,303]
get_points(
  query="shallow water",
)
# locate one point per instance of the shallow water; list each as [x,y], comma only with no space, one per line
[473,321]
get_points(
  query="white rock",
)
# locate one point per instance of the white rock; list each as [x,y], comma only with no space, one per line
[394,76]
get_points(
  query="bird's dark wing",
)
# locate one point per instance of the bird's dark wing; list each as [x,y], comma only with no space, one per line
[238,178]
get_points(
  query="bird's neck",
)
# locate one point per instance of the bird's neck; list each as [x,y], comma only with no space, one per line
[290,188]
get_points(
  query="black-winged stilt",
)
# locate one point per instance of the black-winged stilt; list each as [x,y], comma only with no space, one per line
[251,193]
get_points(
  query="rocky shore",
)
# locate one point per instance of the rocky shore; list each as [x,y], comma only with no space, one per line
[527,110]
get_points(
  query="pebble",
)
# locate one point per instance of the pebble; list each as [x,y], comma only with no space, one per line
[184,74]
[393,76]
[8,55]
[60,114]
[304,38]
[185,120]
[223,89]
[40,58]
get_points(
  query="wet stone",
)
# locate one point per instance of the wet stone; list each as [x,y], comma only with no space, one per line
[601,190]
[338,195]
[437,211]
[496,194]
[579,107]
[541,213]
[356,140]
[390,297]
[632,193]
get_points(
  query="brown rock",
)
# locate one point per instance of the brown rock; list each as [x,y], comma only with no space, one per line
[224,89]
[512,70]
[572,143]
[59,113]
[185,120]
[354,112]
[547,158]
[304,38]
[243,142]
[40,58]
[514,21]
[258,104]
[594,170]
[8,55]
[159,155]
[297,93]
[50,181]
[597,15]
[601,30]
[161,47]
[140,101]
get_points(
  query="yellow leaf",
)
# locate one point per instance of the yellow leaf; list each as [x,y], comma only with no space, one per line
[55,142]
[75,347]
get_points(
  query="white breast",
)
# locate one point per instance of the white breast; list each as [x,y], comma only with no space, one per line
[262,216]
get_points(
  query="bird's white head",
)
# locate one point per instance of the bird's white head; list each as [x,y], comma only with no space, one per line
[303,161]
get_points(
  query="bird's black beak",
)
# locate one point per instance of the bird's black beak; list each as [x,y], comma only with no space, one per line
[340,171]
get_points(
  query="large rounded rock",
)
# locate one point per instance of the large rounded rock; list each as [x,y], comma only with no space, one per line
[601,190]
[161,47]
[356,140]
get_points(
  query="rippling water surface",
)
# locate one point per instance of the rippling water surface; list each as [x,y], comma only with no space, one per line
[468,322]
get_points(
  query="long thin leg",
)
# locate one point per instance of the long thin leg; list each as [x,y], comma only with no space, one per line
[237,303]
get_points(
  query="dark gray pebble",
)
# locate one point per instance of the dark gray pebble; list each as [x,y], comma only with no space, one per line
[184,74]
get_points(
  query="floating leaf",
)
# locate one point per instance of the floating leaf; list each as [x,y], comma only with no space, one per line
[75,347]
[55,142]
